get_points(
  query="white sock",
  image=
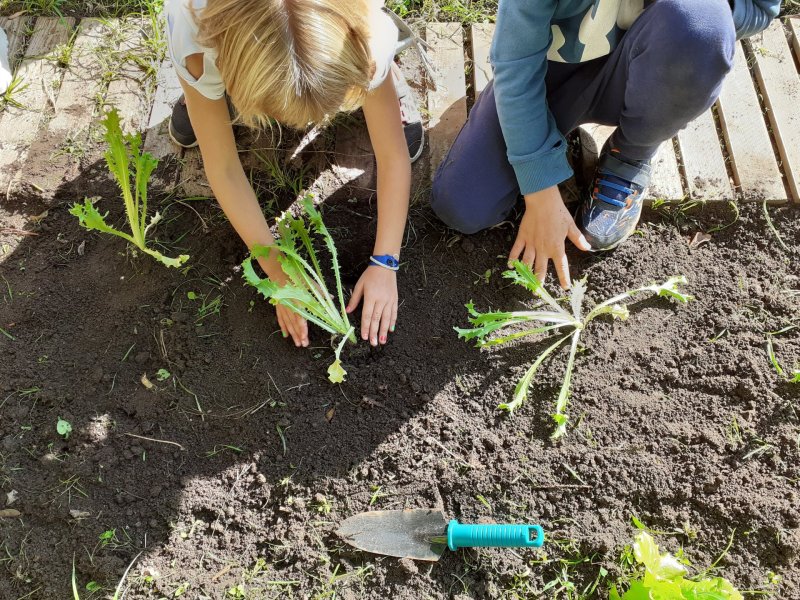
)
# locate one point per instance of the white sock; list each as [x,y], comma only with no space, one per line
[5,69]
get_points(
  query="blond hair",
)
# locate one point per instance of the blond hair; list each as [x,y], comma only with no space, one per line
[295,61]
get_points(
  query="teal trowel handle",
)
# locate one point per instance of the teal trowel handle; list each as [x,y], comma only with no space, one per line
[494,536]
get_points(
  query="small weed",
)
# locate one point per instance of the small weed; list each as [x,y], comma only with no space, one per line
[64,428]
[10,96]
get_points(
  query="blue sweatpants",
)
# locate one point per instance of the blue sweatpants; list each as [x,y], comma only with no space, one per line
[667,70]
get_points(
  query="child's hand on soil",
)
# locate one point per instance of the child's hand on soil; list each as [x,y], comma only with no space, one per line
[378,287]
[291,323]
[541,235]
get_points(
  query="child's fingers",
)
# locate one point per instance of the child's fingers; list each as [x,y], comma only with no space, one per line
[541,266]
[366,318]
[358,291]
[562,268]
[302,326]
[394,317]
[386,320]
[300,329]
[375,323]
[516,249]
[281,324]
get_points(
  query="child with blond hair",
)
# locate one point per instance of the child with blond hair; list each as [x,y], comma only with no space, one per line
[298,62]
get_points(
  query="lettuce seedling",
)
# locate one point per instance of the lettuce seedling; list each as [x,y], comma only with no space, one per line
[665,577]
[129,165]
[306,293]
[549,316]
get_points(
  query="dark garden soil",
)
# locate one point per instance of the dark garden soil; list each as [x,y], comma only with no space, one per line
[677,416]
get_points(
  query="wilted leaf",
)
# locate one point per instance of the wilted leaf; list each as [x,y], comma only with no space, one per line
[335,372]
[80,514]
[9,513]
[329,414]
[698,239]
[146,382]
[11,497]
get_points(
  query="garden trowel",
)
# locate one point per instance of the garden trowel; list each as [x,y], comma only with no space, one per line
[424,533]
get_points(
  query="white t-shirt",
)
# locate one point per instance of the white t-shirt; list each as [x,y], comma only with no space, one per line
[182,35]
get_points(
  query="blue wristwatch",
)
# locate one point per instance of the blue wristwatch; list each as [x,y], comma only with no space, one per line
[387,261]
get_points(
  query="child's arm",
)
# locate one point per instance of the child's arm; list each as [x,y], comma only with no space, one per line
[212,126]
[378,286]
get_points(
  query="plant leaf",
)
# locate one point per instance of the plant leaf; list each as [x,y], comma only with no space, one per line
[561,403]
[576,297]
[521,391]
[668,289]
[169,262]
[522,275]
[336,372]
[90,218]
[64,428]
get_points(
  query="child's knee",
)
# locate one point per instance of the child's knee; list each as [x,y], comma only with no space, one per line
[702,40]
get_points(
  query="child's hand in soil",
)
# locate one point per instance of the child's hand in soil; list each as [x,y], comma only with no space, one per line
[291,323]
[541,235]
[378,288]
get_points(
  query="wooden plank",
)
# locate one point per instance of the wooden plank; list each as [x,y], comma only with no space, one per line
[481,36]
[755,170]
[447,104]
[126,90]
[193,180]
[665,182]
[703,162]
[64,140]
[168,91]
[15,32]
[794,26]
[780,86]
[41,76]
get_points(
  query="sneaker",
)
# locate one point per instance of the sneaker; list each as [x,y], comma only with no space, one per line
[410,115]
[180,127]
[610,215]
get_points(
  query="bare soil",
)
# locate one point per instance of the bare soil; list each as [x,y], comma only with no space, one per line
[678,417]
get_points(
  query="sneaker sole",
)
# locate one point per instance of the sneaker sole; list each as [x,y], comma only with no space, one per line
[176,142]
[421,148]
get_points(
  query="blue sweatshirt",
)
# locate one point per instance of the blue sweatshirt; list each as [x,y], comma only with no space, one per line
[531,32]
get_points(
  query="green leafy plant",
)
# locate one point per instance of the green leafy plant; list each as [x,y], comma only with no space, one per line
[63,428]
[665,577]
[494,328]
[306,293]
[132,169]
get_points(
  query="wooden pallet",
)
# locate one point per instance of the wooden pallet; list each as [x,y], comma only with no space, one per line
[746,147]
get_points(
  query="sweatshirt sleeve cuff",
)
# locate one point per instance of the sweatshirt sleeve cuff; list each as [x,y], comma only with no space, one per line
[542,171]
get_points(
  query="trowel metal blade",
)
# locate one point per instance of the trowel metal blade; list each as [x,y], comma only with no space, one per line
[416,533]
